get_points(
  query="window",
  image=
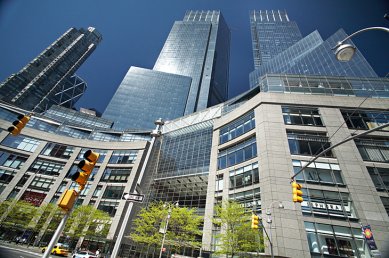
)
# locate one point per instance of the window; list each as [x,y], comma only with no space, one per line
[385,202]
[335,240]
[318,173]
[308,143]
[380,177]
[373,149]
[23,180]
[116,175]
[6,176]
[219,183]
[57,150]
[301,116]
[237,128]
[123,157]
[61,188]
[21,143]
[44,167]
[363,119]
[97,191]
[244,176]
[250,199]
[11,160]
[327,204]
[113,192]
[109,207]
[237,153]
[42,183]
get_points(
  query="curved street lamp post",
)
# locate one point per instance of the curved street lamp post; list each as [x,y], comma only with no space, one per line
[344,52]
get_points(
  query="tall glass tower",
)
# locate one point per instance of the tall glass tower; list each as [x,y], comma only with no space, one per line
[272,32]
[49,79]
[190,74]
[198,47]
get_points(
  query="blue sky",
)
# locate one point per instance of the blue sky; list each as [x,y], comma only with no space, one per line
[135,31]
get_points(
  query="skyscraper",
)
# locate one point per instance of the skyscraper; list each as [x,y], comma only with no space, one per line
[49,78]
[197,48]
[271,32]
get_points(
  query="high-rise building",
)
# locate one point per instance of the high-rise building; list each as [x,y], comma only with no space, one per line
[197,48]
[49,79]
[271,32]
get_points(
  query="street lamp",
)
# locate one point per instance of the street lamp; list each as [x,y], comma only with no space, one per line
[344,52]
[269,221]
[164,229]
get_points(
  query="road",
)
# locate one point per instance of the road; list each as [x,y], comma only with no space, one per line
[10,252]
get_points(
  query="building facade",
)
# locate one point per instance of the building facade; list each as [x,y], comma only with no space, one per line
[49,79]
[197,49]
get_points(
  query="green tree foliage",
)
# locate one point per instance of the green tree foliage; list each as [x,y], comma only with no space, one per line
[87,221]
[236,235]
[20,213]
[183,227]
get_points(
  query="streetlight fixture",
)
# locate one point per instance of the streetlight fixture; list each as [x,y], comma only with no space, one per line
[344,52]
[269,221]
[164,229]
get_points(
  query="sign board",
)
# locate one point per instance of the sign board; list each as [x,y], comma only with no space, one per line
[133,197]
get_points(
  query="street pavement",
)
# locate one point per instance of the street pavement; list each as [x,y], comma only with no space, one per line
[17,252]
[12,250]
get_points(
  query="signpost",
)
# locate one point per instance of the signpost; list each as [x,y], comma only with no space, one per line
[133,197]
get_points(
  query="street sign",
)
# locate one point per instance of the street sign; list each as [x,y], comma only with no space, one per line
[133,197]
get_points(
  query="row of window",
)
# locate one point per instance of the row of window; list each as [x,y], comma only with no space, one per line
[301,116]
[237,128]
[363,119]
[237,153]
[244,176]
[63,151]
[318,173]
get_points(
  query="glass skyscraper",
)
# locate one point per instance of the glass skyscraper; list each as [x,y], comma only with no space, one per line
[272,32]
[49,79]
[197,48]
[145,95]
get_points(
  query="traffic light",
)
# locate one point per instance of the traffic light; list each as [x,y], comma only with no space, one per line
[86,165]
[19,124]
[297,193]
[67,200]
[254,221]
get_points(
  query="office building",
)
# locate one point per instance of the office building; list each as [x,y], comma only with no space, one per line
[190,51]
[49,79]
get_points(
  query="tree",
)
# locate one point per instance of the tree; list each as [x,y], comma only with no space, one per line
[183,228]
[20,215]
[236,235]
[87,221]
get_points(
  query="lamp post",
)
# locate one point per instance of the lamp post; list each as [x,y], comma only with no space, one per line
[344,52]
[269,221]
[164,230]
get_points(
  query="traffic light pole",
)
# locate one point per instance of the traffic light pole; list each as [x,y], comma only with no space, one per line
[56,235]
[270,239]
